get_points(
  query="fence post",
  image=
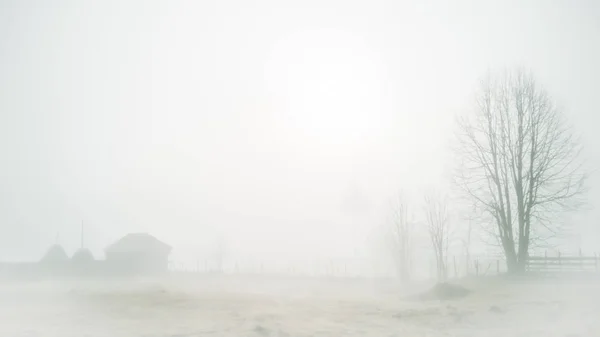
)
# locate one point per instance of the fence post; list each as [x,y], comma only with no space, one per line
[476,267]
[497,267]
[559,262]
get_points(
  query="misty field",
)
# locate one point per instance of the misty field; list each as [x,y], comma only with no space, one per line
[248,306]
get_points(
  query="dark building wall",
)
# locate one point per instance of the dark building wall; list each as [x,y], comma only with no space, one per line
[136,263]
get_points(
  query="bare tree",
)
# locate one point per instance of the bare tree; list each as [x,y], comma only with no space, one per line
[468,218]
[438,227]
[466,243]
[518,162]
[401,235]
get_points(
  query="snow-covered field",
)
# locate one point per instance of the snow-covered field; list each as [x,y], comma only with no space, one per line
[252,306]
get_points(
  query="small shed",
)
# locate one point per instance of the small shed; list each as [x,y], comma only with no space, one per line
[138,253]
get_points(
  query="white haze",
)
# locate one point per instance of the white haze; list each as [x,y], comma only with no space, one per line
[283,126]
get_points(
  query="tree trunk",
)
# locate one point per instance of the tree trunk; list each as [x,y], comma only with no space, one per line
[512,261]
[523,253]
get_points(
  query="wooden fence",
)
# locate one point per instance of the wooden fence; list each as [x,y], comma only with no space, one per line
[457,266]
[550,265]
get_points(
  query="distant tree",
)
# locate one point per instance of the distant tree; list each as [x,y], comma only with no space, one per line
[518,162]
[468,218]
[401,238]
[220,253]
[466,243]
[438,227]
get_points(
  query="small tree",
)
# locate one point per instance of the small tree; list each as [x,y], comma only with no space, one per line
[401,236]
[438,227]
[468,219]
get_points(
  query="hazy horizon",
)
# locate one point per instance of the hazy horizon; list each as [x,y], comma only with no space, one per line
[284,127]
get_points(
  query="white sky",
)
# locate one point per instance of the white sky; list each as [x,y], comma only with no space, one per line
[285,126]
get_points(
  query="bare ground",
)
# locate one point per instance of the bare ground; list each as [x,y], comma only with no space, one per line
[261,306]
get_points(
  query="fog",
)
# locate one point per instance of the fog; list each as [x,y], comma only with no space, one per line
[271,132]
[279,125]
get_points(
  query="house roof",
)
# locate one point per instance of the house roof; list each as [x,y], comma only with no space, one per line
[138,243]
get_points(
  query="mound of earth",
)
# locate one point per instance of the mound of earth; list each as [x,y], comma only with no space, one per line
[446,291]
